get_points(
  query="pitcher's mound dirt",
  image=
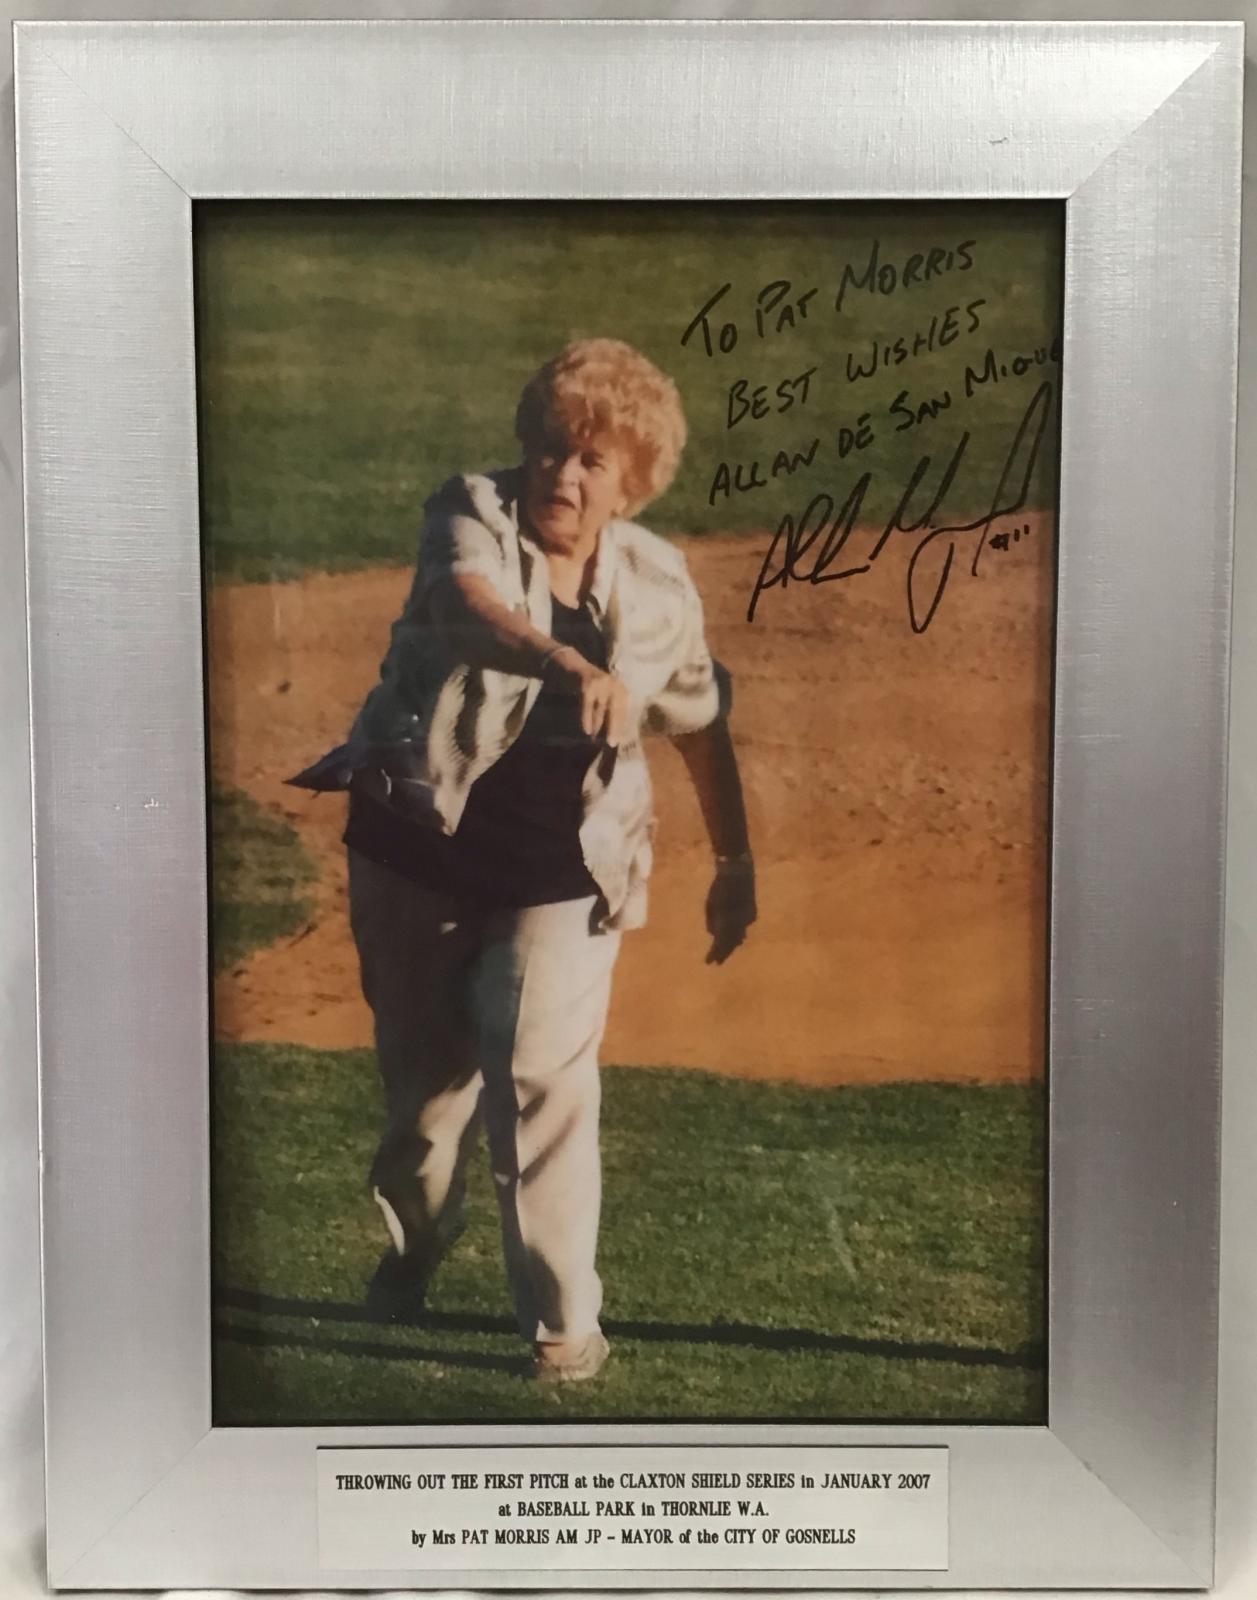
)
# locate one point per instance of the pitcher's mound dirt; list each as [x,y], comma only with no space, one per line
[897,785]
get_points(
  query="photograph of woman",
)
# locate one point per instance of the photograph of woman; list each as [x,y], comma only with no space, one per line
[500,826]
[559,556]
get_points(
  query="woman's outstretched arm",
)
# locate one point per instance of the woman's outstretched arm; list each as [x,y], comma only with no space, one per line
[485,632]
[712,764]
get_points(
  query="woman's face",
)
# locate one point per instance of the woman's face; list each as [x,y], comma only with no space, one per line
[572,488]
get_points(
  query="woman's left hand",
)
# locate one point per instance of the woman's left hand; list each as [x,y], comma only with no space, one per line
[731,907]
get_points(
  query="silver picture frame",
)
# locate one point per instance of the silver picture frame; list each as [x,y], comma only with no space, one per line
[1136,128]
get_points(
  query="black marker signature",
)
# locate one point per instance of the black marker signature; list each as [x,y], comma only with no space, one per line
[821,524]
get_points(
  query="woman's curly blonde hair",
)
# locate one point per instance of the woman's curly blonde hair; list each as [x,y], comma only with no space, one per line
[605,386]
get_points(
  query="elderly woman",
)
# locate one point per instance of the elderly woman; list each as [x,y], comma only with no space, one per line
[500,828]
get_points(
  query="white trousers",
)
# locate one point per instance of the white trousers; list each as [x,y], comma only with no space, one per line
[501,1012]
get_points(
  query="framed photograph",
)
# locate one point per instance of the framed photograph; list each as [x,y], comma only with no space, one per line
[629,641]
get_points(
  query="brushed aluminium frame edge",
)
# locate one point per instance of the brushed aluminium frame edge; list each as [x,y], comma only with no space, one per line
[57,805]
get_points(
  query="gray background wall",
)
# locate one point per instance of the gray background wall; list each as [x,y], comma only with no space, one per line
[21,1486]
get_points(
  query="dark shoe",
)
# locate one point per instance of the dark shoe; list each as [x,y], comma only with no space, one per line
[571,1363]
[398,1290]
[399,1287]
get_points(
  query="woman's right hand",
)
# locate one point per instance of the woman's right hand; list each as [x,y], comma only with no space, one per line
[604,698]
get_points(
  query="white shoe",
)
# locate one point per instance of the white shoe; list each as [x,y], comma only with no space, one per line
[571,1361]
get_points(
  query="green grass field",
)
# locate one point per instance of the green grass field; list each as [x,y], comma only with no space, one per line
[767,1250]
[259,874]
[353,357]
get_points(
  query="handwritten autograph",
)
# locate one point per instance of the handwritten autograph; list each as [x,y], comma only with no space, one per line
[826,528]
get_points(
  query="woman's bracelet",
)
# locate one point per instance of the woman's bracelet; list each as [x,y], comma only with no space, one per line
[548,655]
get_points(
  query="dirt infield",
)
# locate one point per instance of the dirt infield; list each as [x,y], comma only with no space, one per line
[898,792]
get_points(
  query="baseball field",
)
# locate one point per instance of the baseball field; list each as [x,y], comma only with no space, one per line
[824,1161]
